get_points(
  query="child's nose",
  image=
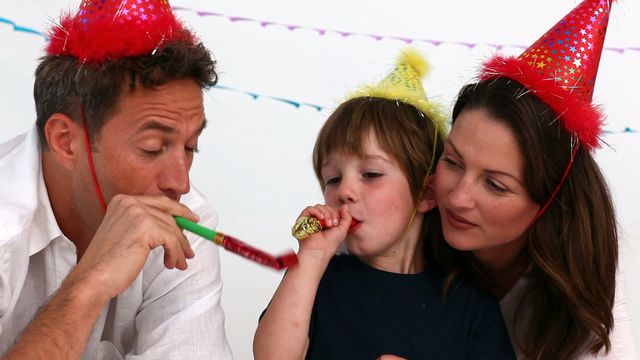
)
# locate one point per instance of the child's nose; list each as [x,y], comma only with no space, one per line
[347,191]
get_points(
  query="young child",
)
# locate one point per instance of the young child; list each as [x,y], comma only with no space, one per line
[373,158]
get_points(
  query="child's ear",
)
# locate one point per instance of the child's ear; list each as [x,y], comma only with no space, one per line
[427,198]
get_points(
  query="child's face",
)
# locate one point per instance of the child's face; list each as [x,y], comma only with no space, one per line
[378,196]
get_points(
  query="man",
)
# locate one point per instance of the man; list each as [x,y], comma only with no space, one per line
[88,242]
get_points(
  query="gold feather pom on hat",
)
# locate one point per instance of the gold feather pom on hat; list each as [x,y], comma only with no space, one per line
[404,84]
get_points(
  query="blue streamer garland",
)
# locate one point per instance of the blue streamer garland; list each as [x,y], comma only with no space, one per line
[294,103]
[24,29]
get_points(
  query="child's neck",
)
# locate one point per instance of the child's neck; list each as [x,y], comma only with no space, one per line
[409,260]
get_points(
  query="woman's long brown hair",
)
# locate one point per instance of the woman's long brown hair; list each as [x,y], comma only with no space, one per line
[566,309]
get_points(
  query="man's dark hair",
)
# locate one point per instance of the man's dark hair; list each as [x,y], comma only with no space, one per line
[65,85]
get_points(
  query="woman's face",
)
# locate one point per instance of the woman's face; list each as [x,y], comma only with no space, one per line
[479,186]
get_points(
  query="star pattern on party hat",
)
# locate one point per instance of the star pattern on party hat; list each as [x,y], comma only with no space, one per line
[404,84]
[561,68]
[103,30]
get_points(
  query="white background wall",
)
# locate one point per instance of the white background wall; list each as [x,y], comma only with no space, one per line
[254,163]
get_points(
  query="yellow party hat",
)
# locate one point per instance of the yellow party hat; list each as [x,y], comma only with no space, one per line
[404,84]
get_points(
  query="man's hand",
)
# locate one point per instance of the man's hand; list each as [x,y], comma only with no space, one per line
[131,228]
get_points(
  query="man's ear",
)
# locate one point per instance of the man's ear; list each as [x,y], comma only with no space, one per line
[65,139]
[427,198]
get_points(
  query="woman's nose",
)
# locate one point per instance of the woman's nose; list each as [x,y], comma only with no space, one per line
[461,195]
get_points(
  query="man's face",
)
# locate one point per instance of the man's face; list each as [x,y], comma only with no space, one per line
[147,146]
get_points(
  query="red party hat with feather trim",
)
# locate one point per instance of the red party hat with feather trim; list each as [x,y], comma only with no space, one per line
[561,67]
[107,30]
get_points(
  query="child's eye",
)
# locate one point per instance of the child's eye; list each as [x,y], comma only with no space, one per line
[331,181]
[371,175]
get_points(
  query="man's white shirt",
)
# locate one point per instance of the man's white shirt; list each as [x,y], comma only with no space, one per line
[164,314]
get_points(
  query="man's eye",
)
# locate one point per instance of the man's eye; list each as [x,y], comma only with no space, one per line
[152,152]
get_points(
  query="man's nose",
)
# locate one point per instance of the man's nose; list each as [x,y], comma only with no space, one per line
[174,180]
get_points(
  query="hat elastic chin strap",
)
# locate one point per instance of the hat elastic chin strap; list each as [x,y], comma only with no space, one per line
[96,185]
[555,192]
[426,177]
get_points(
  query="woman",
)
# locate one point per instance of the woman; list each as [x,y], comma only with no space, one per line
[522,198]
[555,277]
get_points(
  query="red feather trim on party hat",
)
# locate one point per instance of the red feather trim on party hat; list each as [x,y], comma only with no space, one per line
[106,30]
[561,68]
[579,117]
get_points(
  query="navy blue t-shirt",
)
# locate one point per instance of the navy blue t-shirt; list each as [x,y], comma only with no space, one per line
[361,313]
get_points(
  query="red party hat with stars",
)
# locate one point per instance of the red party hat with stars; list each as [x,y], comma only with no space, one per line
[108,30]
[561,68]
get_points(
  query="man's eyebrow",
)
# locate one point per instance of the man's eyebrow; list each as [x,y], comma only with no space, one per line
[156,125]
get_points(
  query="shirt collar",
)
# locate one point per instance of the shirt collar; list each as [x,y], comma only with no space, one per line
[27,206]
[44,217]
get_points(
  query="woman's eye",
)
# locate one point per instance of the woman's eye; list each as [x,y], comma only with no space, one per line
[496,187]
[193,149]
[449,161]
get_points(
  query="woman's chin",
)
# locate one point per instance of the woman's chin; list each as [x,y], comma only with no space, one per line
[461,243]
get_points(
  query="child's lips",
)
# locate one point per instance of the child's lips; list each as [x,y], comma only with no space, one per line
[355,225]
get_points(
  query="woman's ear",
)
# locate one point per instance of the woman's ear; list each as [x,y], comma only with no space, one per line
[427,198]
[65,139]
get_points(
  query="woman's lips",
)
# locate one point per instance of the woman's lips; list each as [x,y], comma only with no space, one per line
[458,222]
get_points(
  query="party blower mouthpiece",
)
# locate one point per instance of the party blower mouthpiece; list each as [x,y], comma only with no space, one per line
[306,226]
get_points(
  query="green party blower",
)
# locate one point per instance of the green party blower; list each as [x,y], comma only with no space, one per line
[236,246]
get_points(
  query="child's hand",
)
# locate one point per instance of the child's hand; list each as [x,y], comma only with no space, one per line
[336,224]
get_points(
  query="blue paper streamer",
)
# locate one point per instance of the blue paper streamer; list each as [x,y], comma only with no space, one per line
[294,103]
[24,29]
[255,96]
